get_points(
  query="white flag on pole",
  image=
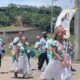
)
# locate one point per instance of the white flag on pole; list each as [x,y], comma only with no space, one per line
[64,20]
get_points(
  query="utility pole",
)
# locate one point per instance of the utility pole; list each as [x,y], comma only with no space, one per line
[52,17]
[77,30]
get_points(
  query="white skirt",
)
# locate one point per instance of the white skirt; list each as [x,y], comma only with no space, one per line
[22,66]
[54,71]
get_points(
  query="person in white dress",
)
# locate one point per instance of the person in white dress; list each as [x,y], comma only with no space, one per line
[58,68]
[21,64]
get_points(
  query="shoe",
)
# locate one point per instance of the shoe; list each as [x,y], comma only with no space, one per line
[72,69]
[23,76]
[16,74]
[42,69]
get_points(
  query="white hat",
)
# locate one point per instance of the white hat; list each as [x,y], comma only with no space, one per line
[44,32]
[16,40]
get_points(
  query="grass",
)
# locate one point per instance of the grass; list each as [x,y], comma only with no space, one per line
[9,28]
[72,39]
[7,51]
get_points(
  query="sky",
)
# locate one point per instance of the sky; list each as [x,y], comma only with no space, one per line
[38,3]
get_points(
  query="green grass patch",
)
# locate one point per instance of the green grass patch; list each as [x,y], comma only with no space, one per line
[7,51]
[9,28]
[72,39]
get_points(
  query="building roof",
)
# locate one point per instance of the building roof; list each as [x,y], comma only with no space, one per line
[16,29]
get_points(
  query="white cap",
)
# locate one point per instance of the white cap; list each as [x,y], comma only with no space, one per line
[44,32]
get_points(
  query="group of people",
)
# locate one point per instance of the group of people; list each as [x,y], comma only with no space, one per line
[57,51]
[54,49]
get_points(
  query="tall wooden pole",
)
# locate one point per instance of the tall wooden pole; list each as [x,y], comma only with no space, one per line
[52,17]
[77,30]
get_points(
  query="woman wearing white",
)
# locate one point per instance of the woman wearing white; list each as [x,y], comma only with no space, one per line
[56,68]
[21,64]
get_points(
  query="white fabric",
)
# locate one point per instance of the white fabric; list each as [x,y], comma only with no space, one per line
[22,66]
[39,47]
[10,45]
[1,46]
[66,75]
[28,51]
[66,23]
[16,39]
[56,71]
[37,44]
[53,71]
[67,58]
[12,48]
[15,67]
[27,43]
[43,44]
[70,13]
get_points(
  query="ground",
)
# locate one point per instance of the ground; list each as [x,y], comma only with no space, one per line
[6,75]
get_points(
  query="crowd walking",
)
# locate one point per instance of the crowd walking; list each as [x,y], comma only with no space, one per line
[54,49]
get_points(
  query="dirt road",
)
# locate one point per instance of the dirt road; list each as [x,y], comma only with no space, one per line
[6,75]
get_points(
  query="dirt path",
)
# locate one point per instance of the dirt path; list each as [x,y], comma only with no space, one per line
[6,75]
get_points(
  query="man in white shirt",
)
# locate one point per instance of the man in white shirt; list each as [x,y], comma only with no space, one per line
[41,48]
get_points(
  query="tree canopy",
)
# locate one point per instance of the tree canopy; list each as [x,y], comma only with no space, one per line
[29,15]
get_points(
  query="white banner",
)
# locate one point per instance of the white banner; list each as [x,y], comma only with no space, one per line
[64,20]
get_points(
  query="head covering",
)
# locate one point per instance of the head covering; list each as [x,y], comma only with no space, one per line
[59,29]
[16,40]
[44,32]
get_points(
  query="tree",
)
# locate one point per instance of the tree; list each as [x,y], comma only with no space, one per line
[3,17]
[31,16]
